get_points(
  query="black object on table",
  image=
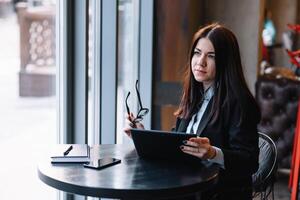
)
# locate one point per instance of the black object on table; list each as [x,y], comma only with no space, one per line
[133,178]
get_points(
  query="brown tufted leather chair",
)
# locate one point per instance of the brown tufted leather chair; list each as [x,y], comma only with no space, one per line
[278,101]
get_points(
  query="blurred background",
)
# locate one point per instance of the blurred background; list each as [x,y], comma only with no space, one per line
[29,68]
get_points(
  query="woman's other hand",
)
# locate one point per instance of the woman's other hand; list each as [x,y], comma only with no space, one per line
[129,124]
[199,147]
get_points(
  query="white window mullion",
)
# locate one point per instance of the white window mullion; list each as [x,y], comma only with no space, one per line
[72,76]
[108,71]
[94,135]
[145,54]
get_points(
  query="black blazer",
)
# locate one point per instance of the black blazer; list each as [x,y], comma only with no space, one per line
[237,139]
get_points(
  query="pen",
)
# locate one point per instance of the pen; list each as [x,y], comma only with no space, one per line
[68,150]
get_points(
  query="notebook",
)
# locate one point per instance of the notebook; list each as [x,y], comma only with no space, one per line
[162,145]
[71,153]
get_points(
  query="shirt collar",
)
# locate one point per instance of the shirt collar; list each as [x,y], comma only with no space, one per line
[209,93]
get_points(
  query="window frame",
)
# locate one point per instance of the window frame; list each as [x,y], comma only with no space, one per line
[72,27]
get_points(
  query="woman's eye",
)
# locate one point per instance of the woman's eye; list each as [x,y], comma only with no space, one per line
[196,53]
[211,56]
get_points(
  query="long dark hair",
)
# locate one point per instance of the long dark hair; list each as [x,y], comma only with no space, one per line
[229,81]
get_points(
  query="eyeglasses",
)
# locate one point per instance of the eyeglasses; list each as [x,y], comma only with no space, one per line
[142,111]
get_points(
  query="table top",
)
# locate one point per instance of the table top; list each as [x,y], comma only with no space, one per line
[134,177]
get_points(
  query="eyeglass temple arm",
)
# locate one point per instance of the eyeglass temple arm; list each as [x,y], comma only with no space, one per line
[138,93]
[127,107]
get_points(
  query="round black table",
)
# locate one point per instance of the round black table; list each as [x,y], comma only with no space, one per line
[133,178]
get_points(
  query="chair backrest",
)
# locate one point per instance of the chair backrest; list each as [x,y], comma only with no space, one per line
[264,177]
[278,102]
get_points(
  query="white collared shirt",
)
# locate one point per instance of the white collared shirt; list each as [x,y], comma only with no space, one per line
[195,121]
[196,118]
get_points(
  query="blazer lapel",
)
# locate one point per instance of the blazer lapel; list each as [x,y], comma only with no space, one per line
[205,118]
[183,125]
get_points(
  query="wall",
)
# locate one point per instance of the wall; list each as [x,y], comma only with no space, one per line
[175,22]
[242,17]
[297,39]
[283,12]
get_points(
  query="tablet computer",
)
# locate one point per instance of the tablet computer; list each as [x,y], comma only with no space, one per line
[163,145]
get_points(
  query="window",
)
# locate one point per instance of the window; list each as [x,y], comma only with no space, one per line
[28,103]
[122,54]
[97,62]
[128,49]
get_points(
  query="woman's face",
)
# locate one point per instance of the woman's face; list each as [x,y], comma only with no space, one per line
[203,62]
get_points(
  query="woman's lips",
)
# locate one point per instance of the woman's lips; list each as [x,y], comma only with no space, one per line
[200,72]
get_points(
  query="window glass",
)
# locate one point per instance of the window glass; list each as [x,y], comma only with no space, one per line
[128,42]
[28,96]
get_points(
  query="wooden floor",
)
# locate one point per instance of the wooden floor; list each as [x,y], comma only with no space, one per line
[281,188]
[281,191]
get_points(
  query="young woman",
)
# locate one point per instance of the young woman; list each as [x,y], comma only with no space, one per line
[219,109]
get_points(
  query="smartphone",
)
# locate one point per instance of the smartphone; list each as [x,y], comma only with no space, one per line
[102,163]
